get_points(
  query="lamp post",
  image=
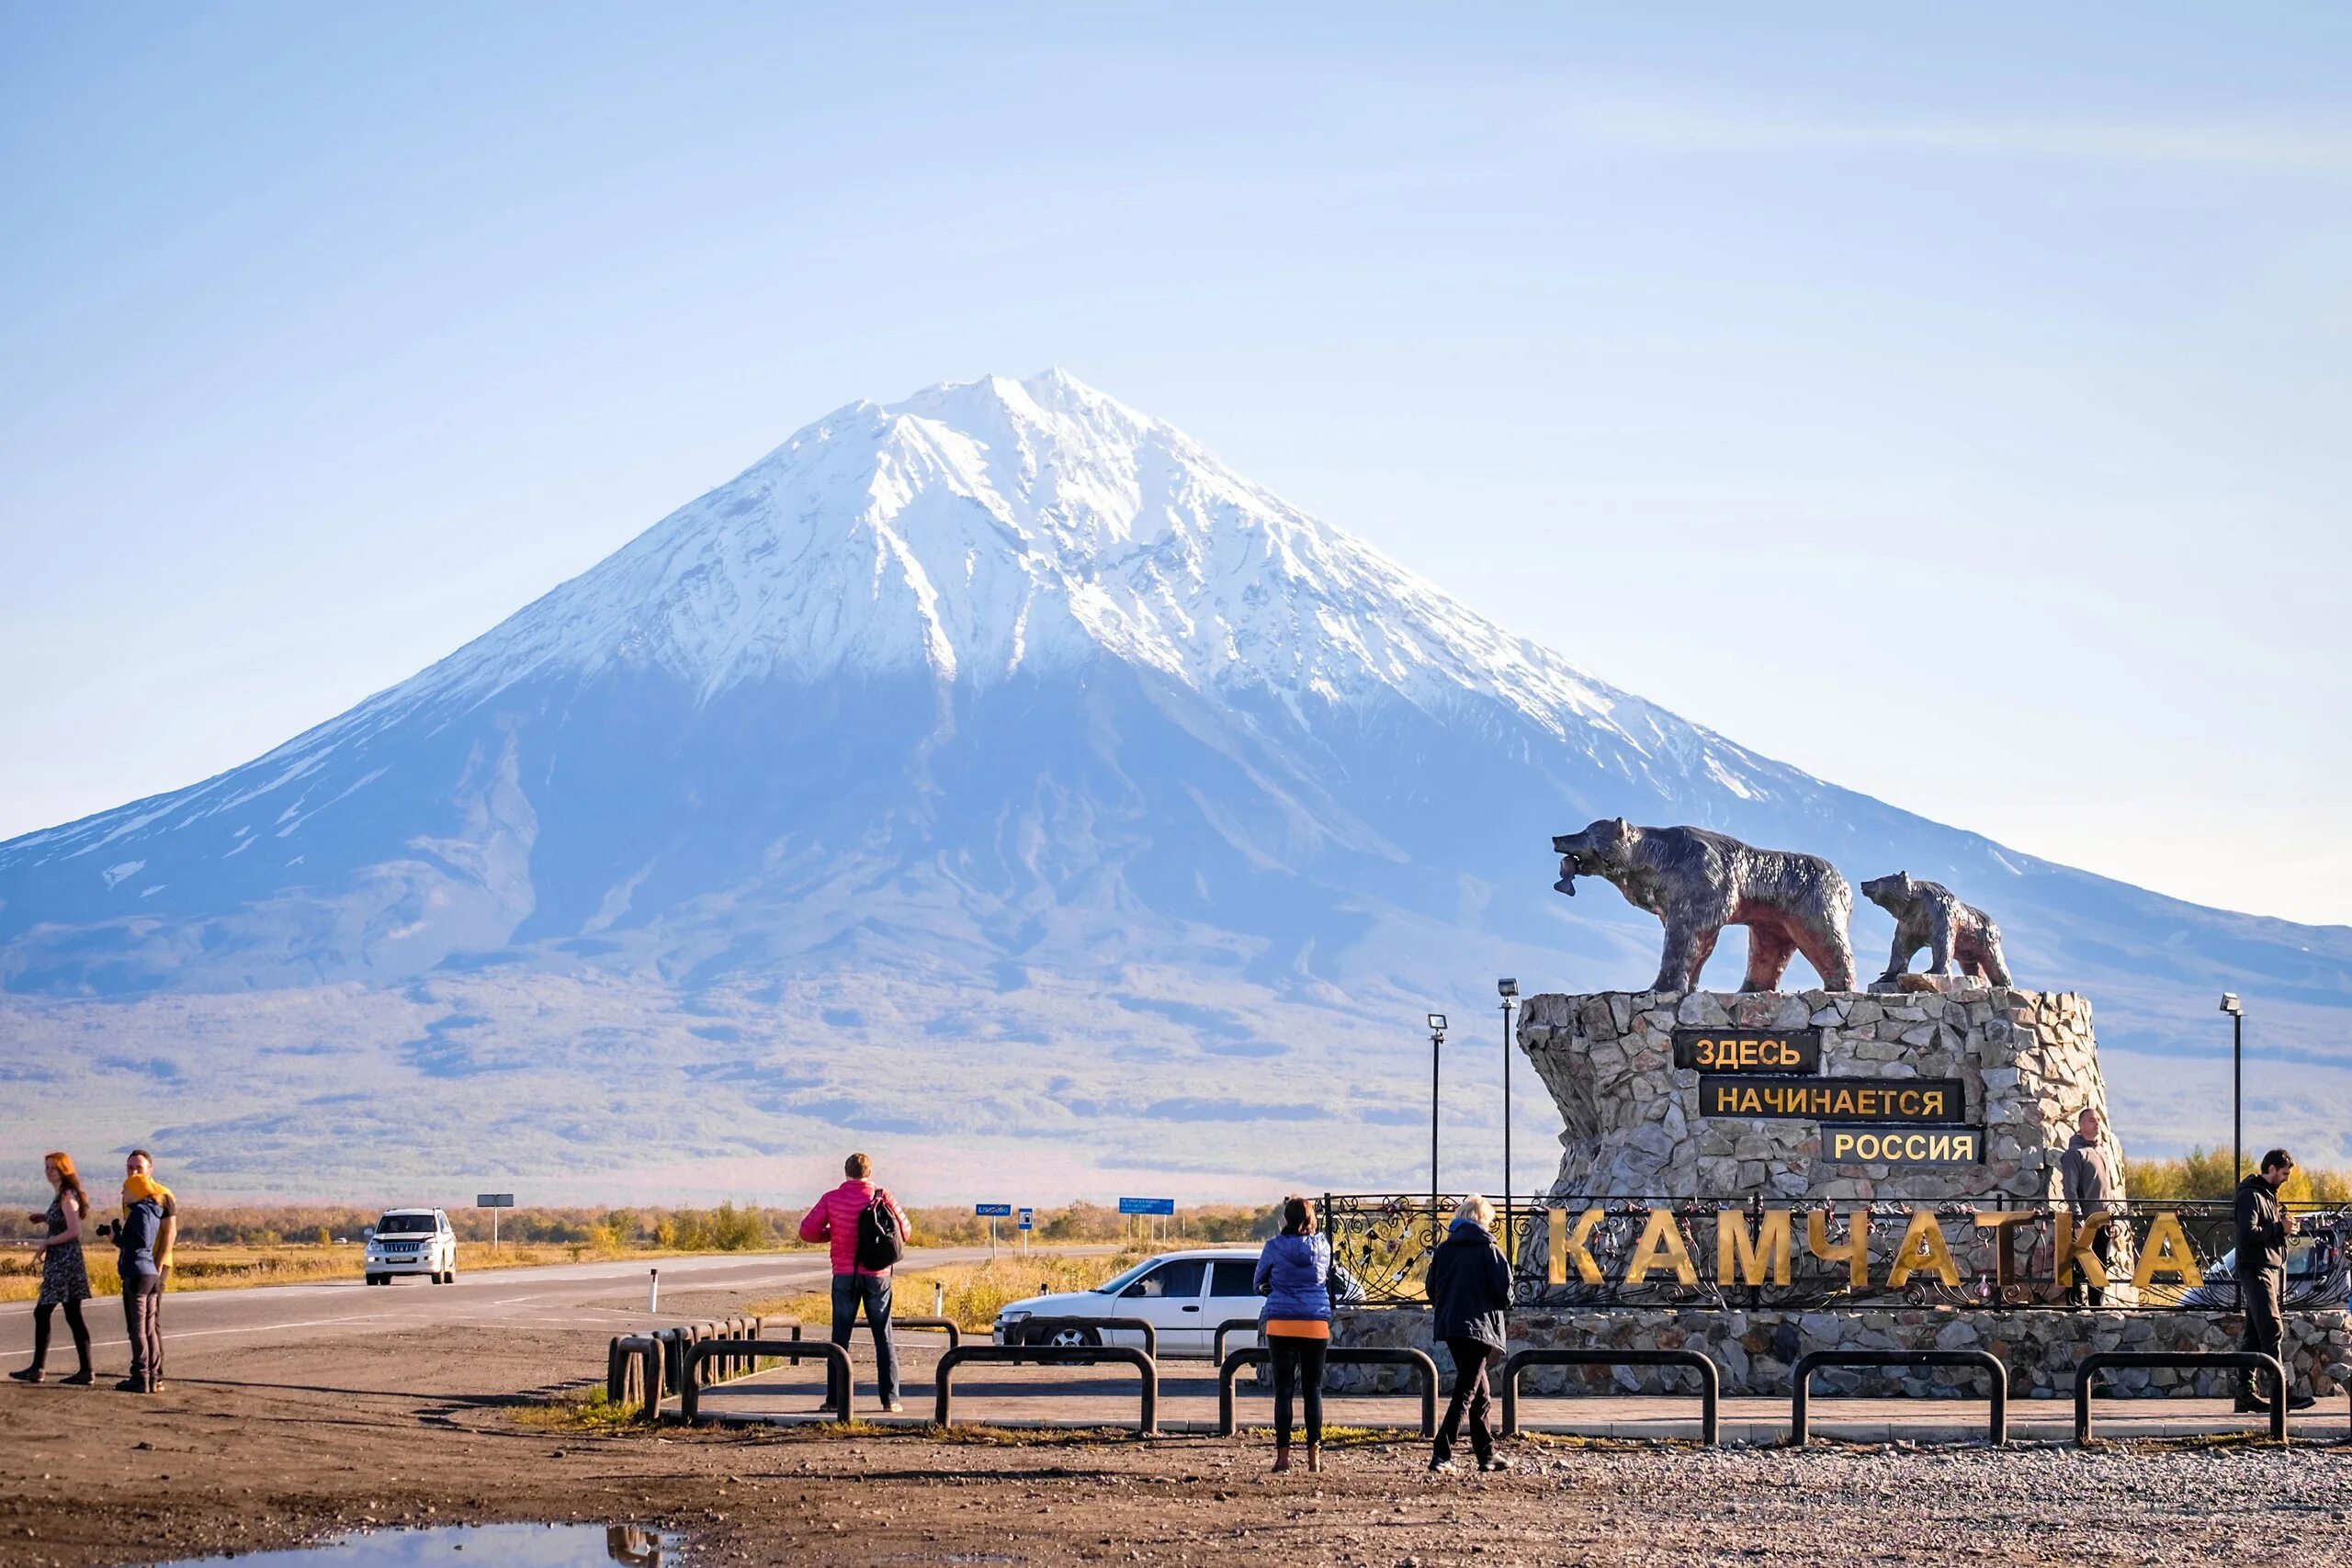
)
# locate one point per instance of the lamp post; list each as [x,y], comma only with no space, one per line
[1437,1038]
[1508,989]
[2231,1005]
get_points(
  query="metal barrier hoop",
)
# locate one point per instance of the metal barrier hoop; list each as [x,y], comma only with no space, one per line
[1800,1377]
[945,1325]
[1234,1325]
[1710,1378]
[646,1351]
[1339,1355]
[942,1407]
[2087,1372]
[838,1388]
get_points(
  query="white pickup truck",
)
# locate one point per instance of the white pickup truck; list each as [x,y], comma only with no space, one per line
[411,1241]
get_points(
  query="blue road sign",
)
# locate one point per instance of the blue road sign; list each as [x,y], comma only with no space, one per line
[989,1211]
[1028,1219]
[1147,1205]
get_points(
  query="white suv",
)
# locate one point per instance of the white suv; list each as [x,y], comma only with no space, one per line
[411,1241]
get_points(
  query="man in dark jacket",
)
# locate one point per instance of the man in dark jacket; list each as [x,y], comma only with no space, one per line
[2262,1226]
[1469,1292]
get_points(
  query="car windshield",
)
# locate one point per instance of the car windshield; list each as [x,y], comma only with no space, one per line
[2305,1258]
[404,1224]
[1123,1278]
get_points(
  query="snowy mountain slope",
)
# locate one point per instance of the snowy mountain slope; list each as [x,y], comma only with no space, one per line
[1000,690]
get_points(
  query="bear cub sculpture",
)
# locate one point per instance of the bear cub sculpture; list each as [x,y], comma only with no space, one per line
[1926,915]
[1697,882]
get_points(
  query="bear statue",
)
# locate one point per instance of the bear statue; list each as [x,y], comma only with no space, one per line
[1926,915]
[1697,882]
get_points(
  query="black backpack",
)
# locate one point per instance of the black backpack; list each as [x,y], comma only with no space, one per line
[879,1243]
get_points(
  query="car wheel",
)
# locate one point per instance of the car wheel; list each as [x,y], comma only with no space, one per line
[375,1279]
[1072,1338]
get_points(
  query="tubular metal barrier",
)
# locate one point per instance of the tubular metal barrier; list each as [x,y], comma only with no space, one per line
[1054,1325]
[838,1386]
[645,1352]
[1338,1354]
[2098,1361]
[1710,1378]
[1800,1377]
[954,1333]
[943,1408]
[1232,1326]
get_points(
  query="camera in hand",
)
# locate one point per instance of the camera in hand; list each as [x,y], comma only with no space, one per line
[109,1228]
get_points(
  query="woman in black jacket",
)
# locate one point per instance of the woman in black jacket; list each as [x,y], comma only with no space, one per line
[1469,1292]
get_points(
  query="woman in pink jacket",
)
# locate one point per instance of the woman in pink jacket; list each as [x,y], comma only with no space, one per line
[835,1217]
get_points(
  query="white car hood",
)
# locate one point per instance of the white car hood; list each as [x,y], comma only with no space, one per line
[1069,1303]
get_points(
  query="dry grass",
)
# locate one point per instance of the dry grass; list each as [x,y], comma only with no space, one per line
[587,1411]
[2206,1174]
[198,1267]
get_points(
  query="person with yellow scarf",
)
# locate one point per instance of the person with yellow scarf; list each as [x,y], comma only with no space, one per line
[143,1254]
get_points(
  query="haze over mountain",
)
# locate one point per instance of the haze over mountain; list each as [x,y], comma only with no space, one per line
[996,779]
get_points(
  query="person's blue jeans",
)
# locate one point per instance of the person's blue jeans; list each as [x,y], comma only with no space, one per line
[873,1292]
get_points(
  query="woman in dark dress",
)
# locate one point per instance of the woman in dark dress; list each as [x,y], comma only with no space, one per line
[65,1279]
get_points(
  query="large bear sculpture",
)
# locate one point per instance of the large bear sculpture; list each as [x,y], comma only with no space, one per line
[1697,882]
[1927,914]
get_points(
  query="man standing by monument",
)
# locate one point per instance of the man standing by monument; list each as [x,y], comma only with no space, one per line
[2094,1186]
[2262,1226]
[143,1239]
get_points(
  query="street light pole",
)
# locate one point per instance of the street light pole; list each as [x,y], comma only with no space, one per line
[2236,1010]
[1508,990]
[1437,1038]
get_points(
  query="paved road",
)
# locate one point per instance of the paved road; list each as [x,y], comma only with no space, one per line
[609,1297]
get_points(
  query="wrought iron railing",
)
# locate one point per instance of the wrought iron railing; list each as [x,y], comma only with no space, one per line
[1382,1241]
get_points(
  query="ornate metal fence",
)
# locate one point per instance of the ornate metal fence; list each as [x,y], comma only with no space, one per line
[1990,1251]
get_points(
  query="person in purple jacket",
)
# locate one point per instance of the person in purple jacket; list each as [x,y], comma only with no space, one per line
[1295,1275]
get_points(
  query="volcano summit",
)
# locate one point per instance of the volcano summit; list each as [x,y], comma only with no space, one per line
[994,769]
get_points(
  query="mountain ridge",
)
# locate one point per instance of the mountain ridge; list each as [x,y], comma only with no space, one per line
[971,698]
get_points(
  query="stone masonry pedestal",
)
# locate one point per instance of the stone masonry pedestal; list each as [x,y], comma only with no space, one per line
[1630,1122]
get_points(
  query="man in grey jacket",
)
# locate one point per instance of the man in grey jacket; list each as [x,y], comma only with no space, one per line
[2093,1178]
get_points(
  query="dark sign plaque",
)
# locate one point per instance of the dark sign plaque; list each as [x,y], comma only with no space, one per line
[1748,1050]
[1833,1099]
[1897,1145]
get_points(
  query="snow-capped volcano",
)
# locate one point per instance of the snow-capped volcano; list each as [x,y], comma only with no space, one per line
[988,700]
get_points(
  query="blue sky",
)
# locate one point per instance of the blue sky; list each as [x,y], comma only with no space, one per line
[1952,405]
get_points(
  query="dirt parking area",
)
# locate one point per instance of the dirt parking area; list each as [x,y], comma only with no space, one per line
[270,1444]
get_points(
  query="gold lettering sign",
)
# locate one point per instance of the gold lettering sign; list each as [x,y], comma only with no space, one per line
[1901,1145]
[1854,1251]
[1922,1248]
[1761,1254]
[1565,1246]
[1749,1050]
[2166,1252]
[1833,1099]
[1749,1259]
[2073,1247]
[1661,1243]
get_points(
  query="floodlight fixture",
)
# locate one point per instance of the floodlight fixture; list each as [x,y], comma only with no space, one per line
[1507,987]
[1436,1023]
[2236,1010]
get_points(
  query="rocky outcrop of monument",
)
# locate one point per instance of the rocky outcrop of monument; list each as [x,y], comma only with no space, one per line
[2027,1063]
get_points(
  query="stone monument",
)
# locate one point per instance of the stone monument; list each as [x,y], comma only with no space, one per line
[1759,1174]
[1668,1094]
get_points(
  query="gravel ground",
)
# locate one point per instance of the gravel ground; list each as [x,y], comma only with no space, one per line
[266,1444]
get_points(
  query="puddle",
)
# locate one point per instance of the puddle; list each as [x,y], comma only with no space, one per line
[489,1546]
